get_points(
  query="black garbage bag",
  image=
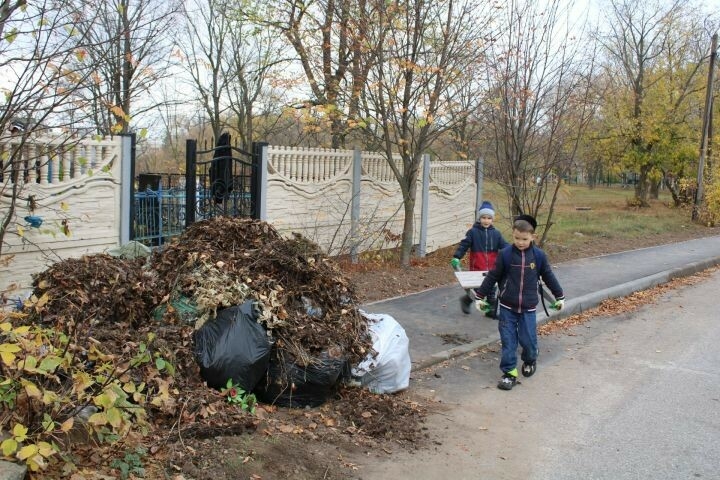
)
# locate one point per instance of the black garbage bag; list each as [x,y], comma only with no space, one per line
[289,384]
[233,346]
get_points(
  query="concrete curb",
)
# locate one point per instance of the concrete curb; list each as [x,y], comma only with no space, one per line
[578,305]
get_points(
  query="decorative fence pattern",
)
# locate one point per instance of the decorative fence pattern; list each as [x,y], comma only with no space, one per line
[68,202]
[319,165]
[309,165]
[310,191]
[52,161]
[78,192]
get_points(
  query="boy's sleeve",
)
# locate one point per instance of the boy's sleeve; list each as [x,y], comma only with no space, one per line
[464,245]
[548,277]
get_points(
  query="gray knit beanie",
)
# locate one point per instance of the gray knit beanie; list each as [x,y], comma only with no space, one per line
[486,209]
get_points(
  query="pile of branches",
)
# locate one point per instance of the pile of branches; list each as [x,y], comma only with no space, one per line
[104,310]
[303,298]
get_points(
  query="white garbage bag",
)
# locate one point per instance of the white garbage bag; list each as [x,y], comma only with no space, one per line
[389,370]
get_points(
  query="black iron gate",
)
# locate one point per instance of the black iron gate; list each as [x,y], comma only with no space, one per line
[222,181]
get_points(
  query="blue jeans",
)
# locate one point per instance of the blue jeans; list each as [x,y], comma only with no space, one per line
[517,328]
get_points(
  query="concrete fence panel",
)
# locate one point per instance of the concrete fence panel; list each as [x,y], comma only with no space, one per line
[68,203]
[77,192]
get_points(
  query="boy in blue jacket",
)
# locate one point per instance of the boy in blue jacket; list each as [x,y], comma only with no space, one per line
[517,271]
[484,243]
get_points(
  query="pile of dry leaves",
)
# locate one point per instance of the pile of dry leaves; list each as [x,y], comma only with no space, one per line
[225,261]
[303,300]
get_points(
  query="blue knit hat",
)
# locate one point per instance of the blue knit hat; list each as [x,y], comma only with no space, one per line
[486,209]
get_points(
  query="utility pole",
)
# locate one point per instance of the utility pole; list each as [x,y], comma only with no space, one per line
[704,139]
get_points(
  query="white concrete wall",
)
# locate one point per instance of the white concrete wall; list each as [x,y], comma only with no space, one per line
[309,191]
[80,212]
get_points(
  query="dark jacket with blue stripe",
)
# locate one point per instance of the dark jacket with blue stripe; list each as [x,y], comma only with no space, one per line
[484,244]
[518,281]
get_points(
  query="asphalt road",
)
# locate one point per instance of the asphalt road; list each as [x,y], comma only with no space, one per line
[433,316]
[630,397]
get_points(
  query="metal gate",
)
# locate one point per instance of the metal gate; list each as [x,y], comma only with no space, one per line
[223,180]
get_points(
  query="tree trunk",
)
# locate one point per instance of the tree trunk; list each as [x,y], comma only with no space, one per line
[672,186]
[642,188]
[406,246]
[409,197]
[9,214]
[655,189]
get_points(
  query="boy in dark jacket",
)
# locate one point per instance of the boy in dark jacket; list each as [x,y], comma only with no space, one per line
[484,242]
[517,271]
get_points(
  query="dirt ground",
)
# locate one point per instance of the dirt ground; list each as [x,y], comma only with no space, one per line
[356,428]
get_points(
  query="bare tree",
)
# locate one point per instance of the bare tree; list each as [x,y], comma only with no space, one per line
[229,60]
[40,84]
[334,51]
[130,47]
[540,77]
[251,63]
[414,84]
[206,37]
[7,8]
[465,135]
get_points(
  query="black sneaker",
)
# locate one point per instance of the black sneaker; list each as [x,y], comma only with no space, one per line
[507,382]
[528,369]
[465,303]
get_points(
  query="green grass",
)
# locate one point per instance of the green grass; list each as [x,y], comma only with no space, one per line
[582,215]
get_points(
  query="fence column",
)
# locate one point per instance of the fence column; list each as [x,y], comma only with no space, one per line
[479,178]
[422,247]
[259,180]
[127,189]
[190,181]
[355,209]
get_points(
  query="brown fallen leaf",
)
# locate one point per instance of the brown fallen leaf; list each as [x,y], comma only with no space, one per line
[286,428]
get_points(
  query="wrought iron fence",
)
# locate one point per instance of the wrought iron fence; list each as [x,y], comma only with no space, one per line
[159,215]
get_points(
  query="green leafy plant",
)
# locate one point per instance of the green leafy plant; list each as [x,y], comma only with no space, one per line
[236,395]
[130,463]
[8,393]
[50,386]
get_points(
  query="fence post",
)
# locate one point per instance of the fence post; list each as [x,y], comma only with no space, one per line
[190,181]
[479,178]
[355,209]
[422,247]
[127,189]
[259,179]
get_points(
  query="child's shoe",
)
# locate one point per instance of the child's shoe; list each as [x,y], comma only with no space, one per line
[465,303]
[528,369]
[507,382]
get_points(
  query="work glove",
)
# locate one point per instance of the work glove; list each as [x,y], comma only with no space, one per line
[558,304]
[483,305]
[455,263]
